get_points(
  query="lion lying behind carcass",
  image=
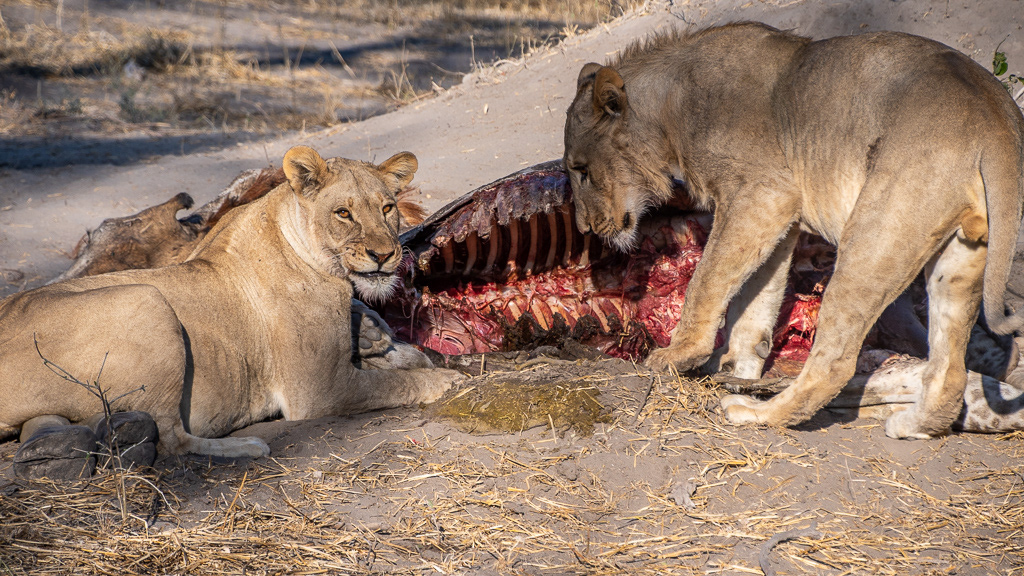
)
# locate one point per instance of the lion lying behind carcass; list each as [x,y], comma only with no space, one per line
[256,322]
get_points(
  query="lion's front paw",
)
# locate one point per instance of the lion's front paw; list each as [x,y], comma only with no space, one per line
[441,380]
[676,358]
[404,356]
[905,424]
[373,335]
[742,409]
[400,356]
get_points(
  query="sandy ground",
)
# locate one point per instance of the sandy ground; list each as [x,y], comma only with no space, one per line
[662,486]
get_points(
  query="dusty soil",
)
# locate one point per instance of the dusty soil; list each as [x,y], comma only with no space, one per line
[663,485]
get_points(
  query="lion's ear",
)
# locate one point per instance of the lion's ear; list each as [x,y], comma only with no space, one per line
[305,170]
[609,92]
[399,170]
[587,74]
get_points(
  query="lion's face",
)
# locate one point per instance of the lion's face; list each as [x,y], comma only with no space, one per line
[609,159]
[351,215]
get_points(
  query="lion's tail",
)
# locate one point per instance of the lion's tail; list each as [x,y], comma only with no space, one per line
[1003,177]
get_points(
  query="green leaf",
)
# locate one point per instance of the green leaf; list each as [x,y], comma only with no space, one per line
[999,64]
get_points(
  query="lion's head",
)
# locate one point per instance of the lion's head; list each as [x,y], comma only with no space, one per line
[610,152]
[349,217]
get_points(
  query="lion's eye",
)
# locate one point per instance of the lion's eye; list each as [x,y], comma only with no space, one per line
[343,213]
[388,208]
[582,169]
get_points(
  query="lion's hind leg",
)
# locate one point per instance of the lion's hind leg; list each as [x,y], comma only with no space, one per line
[65,348]
[123,342]
[955,280]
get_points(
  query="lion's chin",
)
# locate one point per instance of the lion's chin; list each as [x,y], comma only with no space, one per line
[375,286]
[624,240]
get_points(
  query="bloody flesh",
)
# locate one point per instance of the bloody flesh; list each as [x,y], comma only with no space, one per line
[505,266]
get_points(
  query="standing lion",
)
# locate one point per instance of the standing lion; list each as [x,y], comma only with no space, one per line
[901,151]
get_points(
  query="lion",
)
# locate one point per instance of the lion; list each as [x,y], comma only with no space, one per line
[900,151]
[254,324]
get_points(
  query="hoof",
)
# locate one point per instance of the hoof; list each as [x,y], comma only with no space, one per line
[58,453]
[134,456]
[904,425]
[33,425]
[741,409]
[127,428]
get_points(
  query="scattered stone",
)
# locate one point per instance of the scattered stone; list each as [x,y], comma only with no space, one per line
[127,428]
[57,452]
[33,425]
[681,493]
[132,434]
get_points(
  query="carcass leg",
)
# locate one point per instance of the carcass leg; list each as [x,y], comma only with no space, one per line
[954,297]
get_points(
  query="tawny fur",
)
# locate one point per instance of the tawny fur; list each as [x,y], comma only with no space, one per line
[256,323]
[156,237]
[899,150]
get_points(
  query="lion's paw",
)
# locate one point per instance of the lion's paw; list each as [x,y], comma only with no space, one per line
[905,424]
[404,356]
[441,380]
[373,335]
[674,358]
[400,356]
[742,409]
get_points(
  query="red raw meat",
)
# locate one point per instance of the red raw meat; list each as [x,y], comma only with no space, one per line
[505,267]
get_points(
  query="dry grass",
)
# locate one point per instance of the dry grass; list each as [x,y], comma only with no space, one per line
[94,72]
[400,12]
[41,50]
[394,496]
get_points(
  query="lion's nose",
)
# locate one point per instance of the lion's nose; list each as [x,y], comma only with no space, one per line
[378,258]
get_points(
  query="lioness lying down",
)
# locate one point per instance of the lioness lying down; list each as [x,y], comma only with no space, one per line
[256,322]
[902,152]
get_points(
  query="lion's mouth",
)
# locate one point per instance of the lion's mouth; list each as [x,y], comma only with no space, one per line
[380,274]
[375,286]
